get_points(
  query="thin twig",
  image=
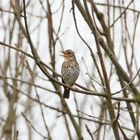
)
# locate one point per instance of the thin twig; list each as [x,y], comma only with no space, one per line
[127,84]
[121,14]
[44,137]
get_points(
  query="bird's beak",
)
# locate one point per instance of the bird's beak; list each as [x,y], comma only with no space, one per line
[63,53]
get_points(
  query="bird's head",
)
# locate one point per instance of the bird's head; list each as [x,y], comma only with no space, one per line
[68,55]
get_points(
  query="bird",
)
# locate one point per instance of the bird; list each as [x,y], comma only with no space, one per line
[69,70]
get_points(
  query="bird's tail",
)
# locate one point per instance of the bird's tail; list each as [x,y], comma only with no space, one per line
[66,93]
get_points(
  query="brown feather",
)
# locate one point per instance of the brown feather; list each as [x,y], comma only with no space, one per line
[69,70]
[66,93]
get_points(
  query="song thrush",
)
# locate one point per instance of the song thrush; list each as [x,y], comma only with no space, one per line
[69,70]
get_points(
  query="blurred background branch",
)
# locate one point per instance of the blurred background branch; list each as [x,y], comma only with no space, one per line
[104,102]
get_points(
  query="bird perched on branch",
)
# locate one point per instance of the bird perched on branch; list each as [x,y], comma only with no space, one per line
[69,70]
